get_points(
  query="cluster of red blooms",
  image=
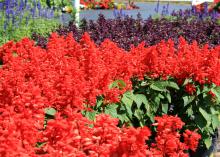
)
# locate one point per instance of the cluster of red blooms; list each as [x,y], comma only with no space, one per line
[168,138]
[69,74]
[190,88]
[72,135]
[91,4]
[72,73]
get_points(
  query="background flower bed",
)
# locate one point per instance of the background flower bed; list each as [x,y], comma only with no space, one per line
[72,77]
[20,18]
[129,31]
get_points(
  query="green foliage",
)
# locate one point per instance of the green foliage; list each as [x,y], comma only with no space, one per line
[50,111]
[49,114]
[117,84]
[218,21]
[58,3]
[155,97]
[40,26]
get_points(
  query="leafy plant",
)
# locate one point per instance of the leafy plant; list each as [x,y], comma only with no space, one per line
[156,97]
[129,31]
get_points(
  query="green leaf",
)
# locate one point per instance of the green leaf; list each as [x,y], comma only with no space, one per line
[151,117]
[165,108]
[215,122]
[157,100]
[139,114]
[40,144]
[208,142]
[209,130]
[168,97]
[186,81]
[127,100]
[171,84]
[123,117]
[216,91]
[139,99]
[160,96]
[162,85]
[90,115]
[189,111]
[157,86]
[143,83]
[213,111]
[111,109]
[174,85]
[205,89]
[154,106]
[200,121]
[205,114]
[198,91]
[99,103]
[117,84]
[188,99]
[50,111]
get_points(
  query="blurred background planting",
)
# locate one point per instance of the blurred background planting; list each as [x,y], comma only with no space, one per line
[20,18]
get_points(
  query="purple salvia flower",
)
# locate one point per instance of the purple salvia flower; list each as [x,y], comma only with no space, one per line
[120,13]
[180,13]
[15,3]
[214,15]
[1,5]
[33,11]
[200,16]
[48,13]
[7,12]
[51,13]
[157,7]
[173,13]
[163,11]
[45,13]
[167,8]
[41,12]
[7,4]
[193,9]
[206,8]
[22,5]
[28,7]
[38,5]
[115,13]
[11,5]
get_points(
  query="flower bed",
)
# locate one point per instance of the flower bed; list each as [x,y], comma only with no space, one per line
[21,18]
[129,31]
[136,87]
[93,4]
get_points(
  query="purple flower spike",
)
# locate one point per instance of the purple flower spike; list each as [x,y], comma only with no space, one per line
[39,5]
